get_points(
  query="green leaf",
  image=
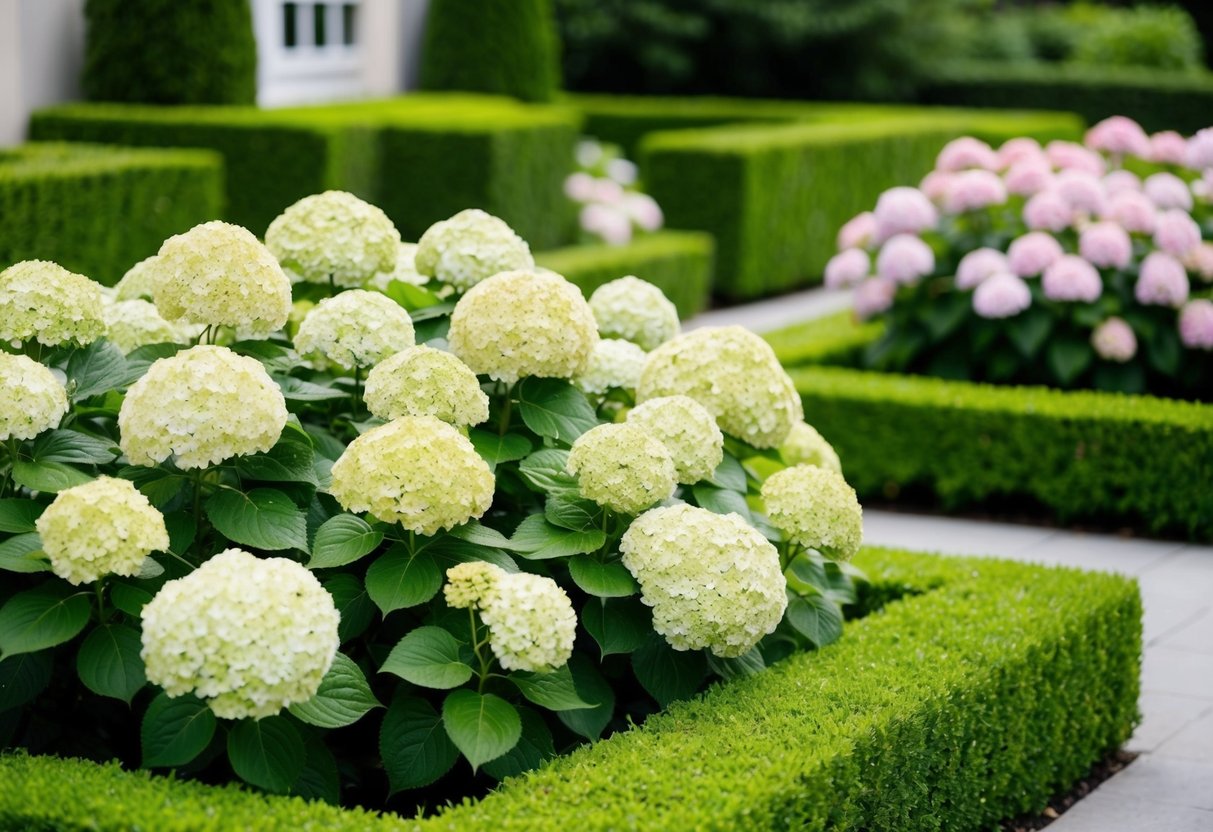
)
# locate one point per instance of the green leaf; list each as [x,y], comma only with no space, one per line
[18,516]
[429,657]
[263,518]
[495,449]
[74,447]
[553,690]
[554,408]
[619,625]
[267,753]
[748,664]
[95,369]
[399,579]
[23,677]
[573,513]
[1067,358]
[129,599]
[605,580]
[413,298]
[414,746]
[591,687]
[42,617]
[1029,331]
[1164,351]
[320,779]
[23,553]
[729,474]
[343,698]
[483,726]
[720,500]
[533,748]
[290,460]
[353,604]
[474,532]
[51,477]
[668,674]
[161,487]
[545,471]
[297,390]
[816,617]
[1121,378]
[175,731]
[140,358]
[537,539]
[109,663]
[182,529]
[343,539]
[274,357]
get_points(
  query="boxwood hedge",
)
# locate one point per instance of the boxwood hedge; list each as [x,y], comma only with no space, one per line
[984,688]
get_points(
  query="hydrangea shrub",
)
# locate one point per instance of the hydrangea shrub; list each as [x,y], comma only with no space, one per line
[611,206]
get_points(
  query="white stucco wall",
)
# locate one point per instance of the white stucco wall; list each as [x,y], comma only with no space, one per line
[41,52]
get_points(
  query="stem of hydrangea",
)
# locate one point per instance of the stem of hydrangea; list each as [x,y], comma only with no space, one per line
[357,390]
[198,498]
[99,587]
[507,404]
[477,644]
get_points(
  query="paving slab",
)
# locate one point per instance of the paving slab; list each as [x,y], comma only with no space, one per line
[1163,716]
[1193,743]
[775,313]
[1103,811]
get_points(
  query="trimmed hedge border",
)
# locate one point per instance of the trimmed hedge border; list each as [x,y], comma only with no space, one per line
[1083,454]
[982,689]
[677,262]
[99,210]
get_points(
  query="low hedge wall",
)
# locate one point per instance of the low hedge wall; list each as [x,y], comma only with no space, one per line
[985,688]
[98,210]
[678,262]
[1081,454]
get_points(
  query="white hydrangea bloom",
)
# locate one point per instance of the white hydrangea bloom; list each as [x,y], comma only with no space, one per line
[636,311]
[103,527]
[613,363]
[734,374]
[131,324]
[805,446]
[33,400]
[139,281]
[523,323]
[469,247]
[688,432]
[42,301]
[251,635]
[201,406]
[416,471]
[404,270]
[814,507]
[423,381]
[218,274]
[531,622]
[467,584]
[354,329]
[711,579]
[622,467]
[334,236]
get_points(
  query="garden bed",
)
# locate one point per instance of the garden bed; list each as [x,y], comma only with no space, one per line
[978,690]
[1079,454]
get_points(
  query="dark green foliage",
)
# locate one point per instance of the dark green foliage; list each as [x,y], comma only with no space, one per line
[677,262]
[982,688]
[505,47]
[99,210]
[1080,454]
[170,52]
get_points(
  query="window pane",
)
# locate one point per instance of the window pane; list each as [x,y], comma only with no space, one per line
[348,12]
[319,13]
[290,25]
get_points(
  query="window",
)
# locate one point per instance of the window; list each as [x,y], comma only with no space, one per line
[327,26]
[290,25]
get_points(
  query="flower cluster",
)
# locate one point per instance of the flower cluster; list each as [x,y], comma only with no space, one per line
[687,430]
[404,270]
[334,237]
[469,247]
[711,579]
[622,467]
[613,364]
[815,508]
[467,584]
[805,446]
[139,281]
[44,302]
[611,206]
[634,310]
[104,527]
[531,622]
[423,381]
[33,401]
[356,328]
[250,635]
[130,324]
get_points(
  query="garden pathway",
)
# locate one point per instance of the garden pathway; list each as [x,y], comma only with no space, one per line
[1169,787]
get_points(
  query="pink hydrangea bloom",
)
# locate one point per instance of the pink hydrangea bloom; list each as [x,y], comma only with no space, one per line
[858,232]
[1048,211]
[1119,181]
[1014,151]
[1001,296]
[1073,156]
[1133,211]
[873,297]
[1162,282]
[1200,150]
[1113,340]
[1168,148]
[1106,245]
[1119,136]
[904,259]
[644,211]
[846,268]
[1176,233]
[1166,190]
[935,185]
[973,190]
[1029,176]
[579,187]
[1196,325]
[978,265]
[1082,190]
[1032,253]
[1203,188]
[1200,260]
[903,211]
[608,191]
[608,222]
[1070,278]
[966,152]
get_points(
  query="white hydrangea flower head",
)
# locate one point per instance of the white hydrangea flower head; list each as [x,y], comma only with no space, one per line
[805,446]
[201,406]
[44,302]
[139,281]
[103,527]
[523,323]
[467,584]
[423,381]
[688,432]
[354,329]
[734,374]
[622,467]
[712,580]
[469,247]
[131,324]
[33,401]
[814,507]
[531,622]
[334,236]
[636,311]
[613,363]
[250,635]
[218,274]
[416,471]
[404,270]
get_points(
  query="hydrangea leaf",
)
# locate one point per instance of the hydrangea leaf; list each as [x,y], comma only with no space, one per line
[483,726]
[343,539]
[353,604]
[545,471]
[264,518]
[73,447]
[23,553]
[496,449]
[555,409]
[537,539]
[747,664]
[553,690]
[533,748]
[815,617]
[591,687]
[290,460]
[729,474]
[605,580]
[320,779]
[175,730]
[429,657]
[400,578]
[668,674]
[17,516]
[42,617]
[96,369]
[619,625]
[51,477]
[109,663]
[23,677]
[343,698]
[414,746]
[268,753]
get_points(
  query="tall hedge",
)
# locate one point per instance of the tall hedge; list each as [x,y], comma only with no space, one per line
[507,47]
[170,51]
